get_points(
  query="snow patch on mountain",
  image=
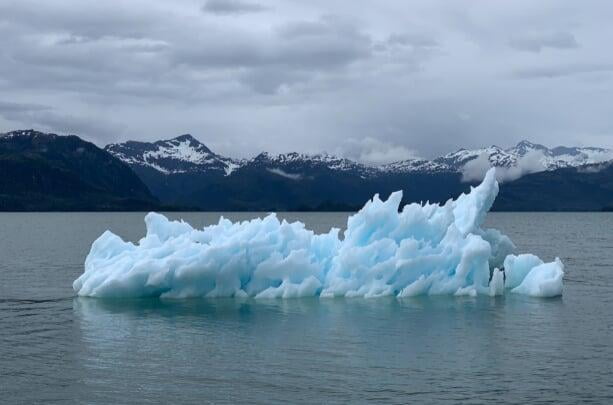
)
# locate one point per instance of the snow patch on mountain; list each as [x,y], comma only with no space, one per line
[415,165]
[24,133]
[232,165]
[181,150]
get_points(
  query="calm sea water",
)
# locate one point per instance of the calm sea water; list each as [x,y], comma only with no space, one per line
[512,349]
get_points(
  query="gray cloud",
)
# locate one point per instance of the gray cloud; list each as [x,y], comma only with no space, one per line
[8,108]
[374,151]
[46,118]
[560,71]
[400,78]
[537,42]
[475,169]
[417,40]
[273,80]
[327,42]
[226,7]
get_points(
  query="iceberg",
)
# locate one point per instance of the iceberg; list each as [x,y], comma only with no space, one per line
[427,249]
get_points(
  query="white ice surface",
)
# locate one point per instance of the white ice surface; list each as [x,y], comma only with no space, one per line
[422,250]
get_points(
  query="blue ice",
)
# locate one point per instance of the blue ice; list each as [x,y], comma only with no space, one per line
[426,249]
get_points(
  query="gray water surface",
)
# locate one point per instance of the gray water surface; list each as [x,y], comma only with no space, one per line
[511,349]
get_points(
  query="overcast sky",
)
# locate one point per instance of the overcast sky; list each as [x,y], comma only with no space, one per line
[373,80]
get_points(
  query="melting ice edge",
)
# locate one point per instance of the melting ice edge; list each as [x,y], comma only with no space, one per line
[426,249]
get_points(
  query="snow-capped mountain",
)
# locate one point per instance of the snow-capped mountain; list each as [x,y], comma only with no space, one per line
[296,163]
[185,154]
[182,154]
[330,161]
[549,159]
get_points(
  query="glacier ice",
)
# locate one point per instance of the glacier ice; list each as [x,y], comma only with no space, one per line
[426,249]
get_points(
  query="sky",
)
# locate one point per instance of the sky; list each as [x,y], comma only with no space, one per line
[376,81]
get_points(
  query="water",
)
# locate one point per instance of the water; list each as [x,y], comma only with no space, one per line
[512,349]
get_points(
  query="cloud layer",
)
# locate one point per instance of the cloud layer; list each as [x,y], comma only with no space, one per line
[531,162]
[376,82]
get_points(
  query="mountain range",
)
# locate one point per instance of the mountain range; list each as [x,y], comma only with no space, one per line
[186,154]
[183,172]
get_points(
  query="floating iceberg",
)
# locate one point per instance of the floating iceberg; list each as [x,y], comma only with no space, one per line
[424,249]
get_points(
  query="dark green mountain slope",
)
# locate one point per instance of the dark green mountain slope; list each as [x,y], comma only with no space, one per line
[257,189]
[587,188]
[43,172]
